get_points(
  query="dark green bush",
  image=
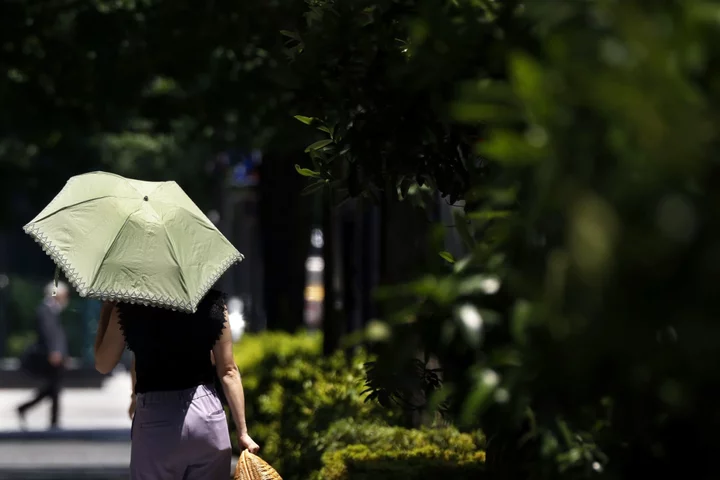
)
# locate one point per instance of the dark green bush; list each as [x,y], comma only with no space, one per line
[360,462]
[293,395]
[254,349]
[257,356]
[362,450]
[312,422]
[378,436]
[307,397]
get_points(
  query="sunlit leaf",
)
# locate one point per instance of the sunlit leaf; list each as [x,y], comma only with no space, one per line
[488,214]
[318,145]
[306,172]
[447,256]
[305,120]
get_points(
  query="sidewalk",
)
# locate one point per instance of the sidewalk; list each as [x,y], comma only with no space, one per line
[92,443]
[83,408]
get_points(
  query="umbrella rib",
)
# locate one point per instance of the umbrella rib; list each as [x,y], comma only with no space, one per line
[54,212]
[107,252]
[175,257]
[195,216]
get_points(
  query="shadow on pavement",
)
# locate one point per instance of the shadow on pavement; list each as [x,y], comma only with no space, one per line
[105,435]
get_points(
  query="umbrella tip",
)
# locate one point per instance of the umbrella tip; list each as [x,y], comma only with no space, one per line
[145,198]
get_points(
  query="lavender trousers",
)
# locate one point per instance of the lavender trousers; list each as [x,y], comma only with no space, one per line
[180,435]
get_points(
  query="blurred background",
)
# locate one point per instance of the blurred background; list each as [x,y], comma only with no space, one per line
[481,237]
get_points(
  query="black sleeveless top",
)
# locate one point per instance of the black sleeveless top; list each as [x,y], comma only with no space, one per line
[172,349]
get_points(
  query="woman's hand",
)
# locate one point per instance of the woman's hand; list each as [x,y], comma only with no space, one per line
[245,442]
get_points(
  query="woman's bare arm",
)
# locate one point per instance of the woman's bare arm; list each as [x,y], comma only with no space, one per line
[133,375]
[232,385]
[109,344]
[133,379]
[103,322]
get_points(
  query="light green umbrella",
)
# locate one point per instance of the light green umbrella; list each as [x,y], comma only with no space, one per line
[128,240]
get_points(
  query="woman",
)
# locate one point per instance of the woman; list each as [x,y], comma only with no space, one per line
[179,426]
[131,408]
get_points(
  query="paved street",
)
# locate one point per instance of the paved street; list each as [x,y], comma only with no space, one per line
[104,408]
[93,441]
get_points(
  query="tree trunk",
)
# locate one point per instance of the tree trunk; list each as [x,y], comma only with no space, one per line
[285,226]
[404,241]
[333,324]
[405,255]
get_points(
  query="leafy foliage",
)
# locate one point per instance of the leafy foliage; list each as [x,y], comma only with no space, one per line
[293,395]
[578,326]
[303,408]
[412,377]
[278,347]
[379,437]
[382,73]
[360,462]
[152,89]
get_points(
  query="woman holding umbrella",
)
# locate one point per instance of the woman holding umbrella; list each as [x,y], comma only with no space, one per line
[151,255]
[179,428]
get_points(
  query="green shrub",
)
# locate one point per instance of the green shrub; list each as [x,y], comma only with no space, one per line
[378,436]
[312,422]
[293,395]
[259,347]
[430,462]
[308,396]
[257,356]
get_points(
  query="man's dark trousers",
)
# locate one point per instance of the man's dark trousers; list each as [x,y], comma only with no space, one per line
[52,378]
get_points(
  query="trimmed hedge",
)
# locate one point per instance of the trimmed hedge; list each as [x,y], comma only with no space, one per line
[293,395]
[378,436]
[360,462]
[358,451]
[311,421]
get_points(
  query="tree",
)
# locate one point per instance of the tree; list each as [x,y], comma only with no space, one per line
[578,328]
[151,89]
[377,85]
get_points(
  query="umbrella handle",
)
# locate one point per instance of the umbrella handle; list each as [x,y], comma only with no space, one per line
[55,281]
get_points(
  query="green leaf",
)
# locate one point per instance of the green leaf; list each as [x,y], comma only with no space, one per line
[488,214]
[447,256]
[521,320]
[305,120]
[462,264]
[318,145]
[289,34]
[512,149]
[306,172]
[329,130]
[313,187]
[480,397]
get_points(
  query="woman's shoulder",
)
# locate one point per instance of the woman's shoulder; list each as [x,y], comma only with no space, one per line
[213,305]
[212,298]
[214,293]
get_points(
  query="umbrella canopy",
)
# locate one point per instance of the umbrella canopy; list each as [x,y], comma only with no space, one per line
[128,240]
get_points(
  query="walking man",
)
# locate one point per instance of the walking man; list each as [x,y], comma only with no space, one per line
[46,358]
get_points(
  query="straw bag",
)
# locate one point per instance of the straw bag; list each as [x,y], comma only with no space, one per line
[252,467]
